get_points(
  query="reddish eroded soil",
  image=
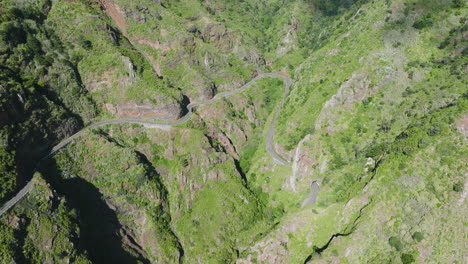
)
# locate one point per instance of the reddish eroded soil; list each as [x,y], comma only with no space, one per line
[168,111]
[155,45]
[462,125]
[116,14]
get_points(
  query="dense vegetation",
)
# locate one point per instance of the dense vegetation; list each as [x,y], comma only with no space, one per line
[333,7]
[41,97]
[376,117]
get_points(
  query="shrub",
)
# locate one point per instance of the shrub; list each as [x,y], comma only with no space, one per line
[458,3]
[434,130]
[407,258]
[86,44]
[12,34]
[376,150]
[338,161]
[445,43]
[418,236]
[33,44]
[458,187]
[427,21]
[424,142]
[367,101]
[395,243]
[332,7]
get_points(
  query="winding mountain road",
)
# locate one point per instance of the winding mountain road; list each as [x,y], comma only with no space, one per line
[269,139]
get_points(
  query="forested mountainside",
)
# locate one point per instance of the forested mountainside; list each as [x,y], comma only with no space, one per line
[249,131]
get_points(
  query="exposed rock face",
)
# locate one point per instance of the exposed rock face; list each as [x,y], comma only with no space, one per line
[209,91]
[226,142]
[301,164]
[288,42]
[462,126]
[188,43]
[142,14]
[192,29]
[116,14]
[273,248]
[354,90]
[250,55]
[131,70]
[220,35]
[197,169]
[145,109]
[67,128]
[95,82]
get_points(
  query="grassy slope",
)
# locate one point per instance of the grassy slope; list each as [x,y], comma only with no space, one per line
[41,228]
[410,195]
[189,59]
[103,54]
[199,202]
[425,77]
[205,192]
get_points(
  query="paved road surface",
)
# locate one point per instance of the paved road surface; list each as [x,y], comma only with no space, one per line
[271,132]
[314,188]
[269,141]
[17,198]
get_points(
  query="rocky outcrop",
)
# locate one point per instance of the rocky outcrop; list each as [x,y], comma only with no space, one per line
[220,35]
[226,143]
[142,14]
[188,43]
[288,42]
[209,91]
[146,109]
[353,90]
[116,14]
[193,29]
[94,83]
[157,45]
[462,126]
[301,164]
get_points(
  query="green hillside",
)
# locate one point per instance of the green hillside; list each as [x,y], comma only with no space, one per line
[373,131]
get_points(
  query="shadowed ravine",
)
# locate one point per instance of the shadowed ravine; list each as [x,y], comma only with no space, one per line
[164,124]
